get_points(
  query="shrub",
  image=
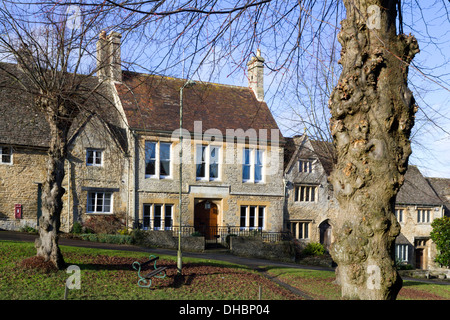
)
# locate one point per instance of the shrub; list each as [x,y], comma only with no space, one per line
[108,238]
[441,237]
[314,249]
[77,228]
[107,224]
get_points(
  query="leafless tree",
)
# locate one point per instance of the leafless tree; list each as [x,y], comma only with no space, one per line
[48,52]
[372,109]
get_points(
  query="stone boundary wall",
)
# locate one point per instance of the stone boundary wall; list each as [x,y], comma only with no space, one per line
[165,239]
[256,248]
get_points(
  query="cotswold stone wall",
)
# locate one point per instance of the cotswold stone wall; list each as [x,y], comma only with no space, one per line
[166,239]
[19,184]
[256,248]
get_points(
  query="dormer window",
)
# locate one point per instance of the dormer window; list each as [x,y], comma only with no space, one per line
[305,165]
[94,157]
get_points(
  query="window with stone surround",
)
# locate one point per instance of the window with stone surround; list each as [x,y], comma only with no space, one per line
[94,157]
[207,162]
[305,165]
[305,193]
[253,165]
[5,155]
[158,159]
[423,215]
[401,252]
[299,229]
[157,216]
[399,214]
[252,217]
[99,202]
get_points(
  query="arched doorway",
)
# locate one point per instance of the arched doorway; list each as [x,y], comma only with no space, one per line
[205,219]
[325,234]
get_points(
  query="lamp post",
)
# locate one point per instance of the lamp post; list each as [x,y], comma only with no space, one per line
[188,84]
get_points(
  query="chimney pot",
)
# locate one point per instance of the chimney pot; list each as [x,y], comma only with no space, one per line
[108,56]
[256,75]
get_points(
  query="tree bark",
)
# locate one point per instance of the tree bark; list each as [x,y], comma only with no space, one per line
[49,223]
[372,113]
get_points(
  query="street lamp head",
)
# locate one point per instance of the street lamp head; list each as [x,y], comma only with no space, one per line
[189,84]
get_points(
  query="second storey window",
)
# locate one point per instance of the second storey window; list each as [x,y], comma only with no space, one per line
[157,159]
[305,194]
[253,165]
[94,157]
[207,162]
[423,215]
[399,215]
[5,155]
[305,165]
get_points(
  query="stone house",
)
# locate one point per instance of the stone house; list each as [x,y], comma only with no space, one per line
[129,163]
[232,155]
[94,168]
[417,205]
[310,205]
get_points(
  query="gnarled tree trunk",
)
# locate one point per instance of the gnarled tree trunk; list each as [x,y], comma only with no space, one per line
[59,120]
[372,116]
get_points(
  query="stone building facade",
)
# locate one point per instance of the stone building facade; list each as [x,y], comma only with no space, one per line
[128,164]
[310,206]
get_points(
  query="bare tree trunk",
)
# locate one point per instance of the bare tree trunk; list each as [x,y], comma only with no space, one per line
[49,223]
[372,116]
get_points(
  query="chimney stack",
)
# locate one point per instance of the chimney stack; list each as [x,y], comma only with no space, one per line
[256,75]
[108,57]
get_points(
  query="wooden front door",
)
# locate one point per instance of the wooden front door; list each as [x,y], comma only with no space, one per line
[205,219]
[419,259]
[325,234]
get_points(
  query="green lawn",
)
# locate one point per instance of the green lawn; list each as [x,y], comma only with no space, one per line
[108,275]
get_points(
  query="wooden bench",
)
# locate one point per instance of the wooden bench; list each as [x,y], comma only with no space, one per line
[157,272]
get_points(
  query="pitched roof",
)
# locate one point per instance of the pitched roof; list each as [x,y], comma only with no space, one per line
[323,150]
[416,190]
[442,187]
[22,124]
[152,103]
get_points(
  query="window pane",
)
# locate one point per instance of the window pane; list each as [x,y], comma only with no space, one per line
[252,216]
[98,157]
[164,163]
[99,204]
[261,210]
[164,151]
[243,216]
[6,157]
[246,172]
[157,216]
[168,216]
[200,158]
[146,223]
[164,168]
[246,156]
[214,163]
[150,157]
[90,157]
[91,201]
